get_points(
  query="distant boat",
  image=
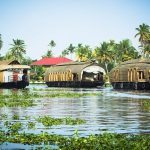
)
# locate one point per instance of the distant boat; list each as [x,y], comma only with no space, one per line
[133,74]
[75,74]
[13,74]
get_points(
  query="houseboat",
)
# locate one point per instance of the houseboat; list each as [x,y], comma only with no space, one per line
[75,74]
[13,74]
[133,74]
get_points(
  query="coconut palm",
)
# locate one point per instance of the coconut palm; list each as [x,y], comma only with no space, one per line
[1,42]
[64,53]
[83,53]
[17,50]
[144,34]
[49,52]
[125,51]
[104,54]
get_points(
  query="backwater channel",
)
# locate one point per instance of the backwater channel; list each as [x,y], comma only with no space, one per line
[116,111]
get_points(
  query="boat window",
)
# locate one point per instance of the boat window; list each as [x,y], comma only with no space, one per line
[75,77]
[141,75]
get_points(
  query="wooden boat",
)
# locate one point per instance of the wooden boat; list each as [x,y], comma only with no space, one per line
[133,74]
[75,74]
[13,74]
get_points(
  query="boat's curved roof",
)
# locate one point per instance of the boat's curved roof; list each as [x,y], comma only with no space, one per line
[137,61]
[74,67]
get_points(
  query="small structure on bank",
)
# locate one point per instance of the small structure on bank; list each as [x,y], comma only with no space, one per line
[75,74]
[133,74]
[13,74]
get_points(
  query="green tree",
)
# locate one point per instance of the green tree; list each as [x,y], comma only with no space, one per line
[143,31]
[1,42]
[64,53]
[125,51]
[50,46]
[144,38]
[17,50]
[83,53]
[104,54]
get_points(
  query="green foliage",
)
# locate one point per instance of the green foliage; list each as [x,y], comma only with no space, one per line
[17,50]
[1,42]
[31,125]
[3,116]
[37,73]
[49,121]
[145,104]
[93,142]
[15,100]
[15,117]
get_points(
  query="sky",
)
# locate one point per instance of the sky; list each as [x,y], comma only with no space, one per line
[89,22]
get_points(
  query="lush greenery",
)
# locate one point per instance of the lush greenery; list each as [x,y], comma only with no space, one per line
[94,142]
[49,121]
[29,98]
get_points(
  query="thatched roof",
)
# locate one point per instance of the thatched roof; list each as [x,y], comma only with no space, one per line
[9,62]
[75,67]
[12,64]
[133,61]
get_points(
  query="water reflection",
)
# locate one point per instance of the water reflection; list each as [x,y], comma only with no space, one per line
[114,111]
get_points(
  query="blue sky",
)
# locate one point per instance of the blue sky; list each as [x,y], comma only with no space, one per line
[90,22]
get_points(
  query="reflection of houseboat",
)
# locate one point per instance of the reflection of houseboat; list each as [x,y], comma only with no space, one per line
[133,74]
[13,74]
[75,74]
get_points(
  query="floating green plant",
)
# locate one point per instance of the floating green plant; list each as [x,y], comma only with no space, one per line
[3,116]
[31,125]
[146,104]
[92,142]
[49,121]
[28,99]
[15,127]
[15,117]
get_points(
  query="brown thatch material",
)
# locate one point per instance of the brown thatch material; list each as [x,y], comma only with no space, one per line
[129,71]
[74,67]
[12,64]
[9,62]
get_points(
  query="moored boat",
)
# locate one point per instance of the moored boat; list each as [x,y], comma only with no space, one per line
[13,74]
[133,74]
[75,74]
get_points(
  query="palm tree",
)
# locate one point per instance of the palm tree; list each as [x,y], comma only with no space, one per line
[49,52]
[104,54]
[17,50]
[143,33]
[64,53]
[144,38]
[125,51]
[1,42]
[71,49]
[83,53]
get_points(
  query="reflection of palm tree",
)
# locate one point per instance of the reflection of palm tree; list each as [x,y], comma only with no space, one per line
[17,50]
